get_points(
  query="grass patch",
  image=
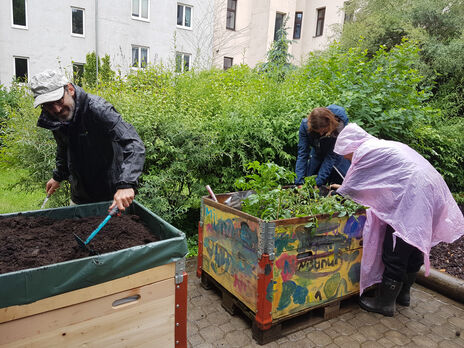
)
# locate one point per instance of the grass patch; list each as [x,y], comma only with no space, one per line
[14,198]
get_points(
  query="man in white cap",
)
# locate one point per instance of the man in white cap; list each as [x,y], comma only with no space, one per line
[97,152]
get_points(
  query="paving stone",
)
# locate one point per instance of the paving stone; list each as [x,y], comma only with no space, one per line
[422,341]
[457,322]
[416,326]
[397,337]
[392,323]
[322,326]
[370,344]
[432,320]
[195,340]
[192,329]
[319,338]
[373,332]
[346,342]
[445,331]
[343,327]
[296,336]
[195,314]
[218,318]
[385,342]
[212,333]
[449,344]
[237,339]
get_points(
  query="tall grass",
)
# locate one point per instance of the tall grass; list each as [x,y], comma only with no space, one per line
[14,198]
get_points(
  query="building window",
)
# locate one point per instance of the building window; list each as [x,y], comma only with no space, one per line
[19,11]
[21,69]
[228,62]
[348,16]
[78,73]
[140,9]
[279,21]
[139,56]
[297,26]
[77,21]
[182,62]
[184,16]
[320,21]
[231,14]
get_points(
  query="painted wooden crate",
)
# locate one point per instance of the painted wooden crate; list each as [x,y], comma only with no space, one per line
[279,269]
[135,297]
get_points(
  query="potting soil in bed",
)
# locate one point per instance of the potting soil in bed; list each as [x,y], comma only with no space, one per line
[28,242]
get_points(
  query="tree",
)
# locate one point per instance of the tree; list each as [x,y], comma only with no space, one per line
[436,26]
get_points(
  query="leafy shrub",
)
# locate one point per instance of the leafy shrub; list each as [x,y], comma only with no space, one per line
[271,201]
[204,127]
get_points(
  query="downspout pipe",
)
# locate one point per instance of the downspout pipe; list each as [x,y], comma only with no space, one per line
[96,40]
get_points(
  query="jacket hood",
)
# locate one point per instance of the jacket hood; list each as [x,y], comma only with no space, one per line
[340,112]
[350,138]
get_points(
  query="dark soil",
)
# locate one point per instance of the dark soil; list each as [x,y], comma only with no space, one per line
[449,258]
[28,242]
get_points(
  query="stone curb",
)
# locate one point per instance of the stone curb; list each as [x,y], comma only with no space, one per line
[443,283]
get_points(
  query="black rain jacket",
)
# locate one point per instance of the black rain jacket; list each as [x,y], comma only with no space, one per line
[97,151]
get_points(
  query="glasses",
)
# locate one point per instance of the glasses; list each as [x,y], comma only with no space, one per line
[50,105]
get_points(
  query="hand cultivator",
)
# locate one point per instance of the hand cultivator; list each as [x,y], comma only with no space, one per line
[84,245]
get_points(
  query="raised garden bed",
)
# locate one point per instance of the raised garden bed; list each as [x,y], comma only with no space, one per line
[134,295]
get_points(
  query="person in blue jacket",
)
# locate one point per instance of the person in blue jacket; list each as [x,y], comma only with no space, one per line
[317,136]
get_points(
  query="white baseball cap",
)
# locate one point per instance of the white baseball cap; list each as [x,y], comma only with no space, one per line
[48,86]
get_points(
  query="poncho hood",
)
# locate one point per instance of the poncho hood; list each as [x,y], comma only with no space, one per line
[401,189]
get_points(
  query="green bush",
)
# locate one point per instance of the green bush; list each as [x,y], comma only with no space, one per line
[203,127]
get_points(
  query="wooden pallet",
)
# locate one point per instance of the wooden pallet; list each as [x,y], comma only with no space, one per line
[284,326]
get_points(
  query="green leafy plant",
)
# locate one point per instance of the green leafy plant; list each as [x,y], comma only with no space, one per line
[272,201]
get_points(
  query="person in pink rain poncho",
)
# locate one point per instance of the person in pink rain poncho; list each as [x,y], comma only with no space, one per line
[410,210]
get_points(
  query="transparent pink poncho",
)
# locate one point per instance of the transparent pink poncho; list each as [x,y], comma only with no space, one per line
[402,189]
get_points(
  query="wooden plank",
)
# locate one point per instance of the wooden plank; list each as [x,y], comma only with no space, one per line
[139,279]
[97,323]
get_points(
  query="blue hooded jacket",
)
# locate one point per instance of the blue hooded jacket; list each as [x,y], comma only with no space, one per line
[315,153]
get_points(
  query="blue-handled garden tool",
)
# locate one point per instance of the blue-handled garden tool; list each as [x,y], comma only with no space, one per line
[84,245]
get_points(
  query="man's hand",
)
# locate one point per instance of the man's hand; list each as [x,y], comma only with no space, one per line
[51,186]
[123,198]
[335,186]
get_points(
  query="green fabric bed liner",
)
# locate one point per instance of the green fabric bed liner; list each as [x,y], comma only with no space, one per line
[30,285]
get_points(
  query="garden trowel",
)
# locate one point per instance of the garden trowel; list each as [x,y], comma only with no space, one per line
[84,245]
[45,201]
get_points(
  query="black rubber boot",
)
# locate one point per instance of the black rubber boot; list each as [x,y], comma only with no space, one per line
[404,297]
[384,301]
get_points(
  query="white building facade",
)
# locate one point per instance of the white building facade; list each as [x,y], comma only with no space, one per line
[245,29]
[58,34]
[183,34]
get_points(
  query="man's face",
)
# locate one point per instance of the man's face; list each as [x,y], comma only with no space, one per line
[62,109]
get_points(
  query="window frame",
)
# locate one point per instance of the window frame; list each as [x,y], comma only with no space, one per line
[183,55]
[76,76]
[18,26]
[83,21]
[139,63]
[281,25]
[234,11]
[231,63]
[139,17]
[300,22]
[27,67]
[183,26]
[320,21]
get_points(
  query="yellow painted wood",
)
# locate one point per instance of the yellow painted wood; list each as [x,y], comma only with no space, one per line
[230,244]
[313,269]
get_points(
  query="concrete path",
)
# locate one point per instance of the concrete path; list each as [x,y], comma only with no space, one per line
[432,320]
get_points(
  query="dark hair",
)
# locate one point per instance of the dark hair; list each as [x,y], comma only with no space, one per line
[322,119]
